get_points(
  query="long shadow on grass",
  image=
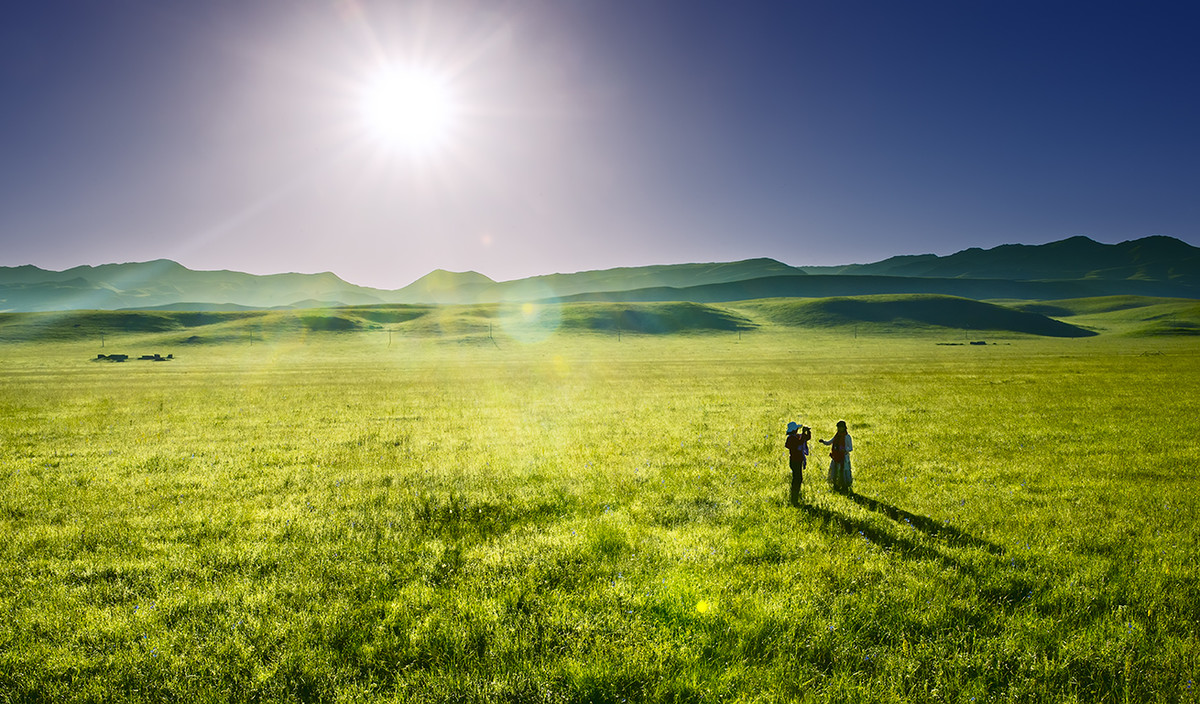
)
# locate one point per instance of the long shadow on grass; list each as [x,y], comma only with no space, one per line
[895,543]
[1004,588]
[925,524]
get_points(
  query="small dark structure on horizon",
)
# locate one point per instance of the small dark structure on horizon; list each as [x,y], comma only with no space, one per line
[123,357]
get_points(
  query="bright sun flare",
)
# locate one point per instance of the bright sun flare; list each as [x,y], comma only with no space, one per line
[409,109]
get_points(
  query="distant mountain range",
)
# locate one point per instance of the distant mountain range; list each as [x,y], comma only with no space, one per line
[447,287]
[1156,258]
[1073,268]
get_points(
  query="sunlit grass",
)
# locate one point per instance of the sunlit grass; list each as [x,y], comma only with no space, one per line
[344,517]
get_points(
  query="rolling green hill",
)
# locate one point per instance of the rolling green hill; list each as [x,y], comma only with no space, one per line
[1137,316]
[652,318]
[883,314]
[899,312]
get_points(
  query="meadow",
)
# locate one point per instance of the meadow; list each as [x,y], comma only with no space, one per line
[577,517]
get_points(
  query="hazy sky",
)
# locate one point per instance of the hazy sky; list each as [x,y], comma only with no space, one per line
[588,134]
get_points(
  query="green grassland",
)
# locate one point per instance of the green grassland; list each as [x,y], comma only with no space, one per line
[587,503]
[1134,316]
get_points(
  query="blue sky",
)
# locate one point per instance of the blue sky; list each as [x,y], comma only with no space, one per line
[590,134]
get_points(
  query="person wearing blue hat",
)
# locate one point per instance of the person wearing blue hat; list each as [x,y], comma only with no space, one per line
[797,446]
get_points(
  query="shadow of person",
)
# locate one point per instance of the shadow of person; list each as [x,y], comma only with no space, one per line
[926,525]
[894,543]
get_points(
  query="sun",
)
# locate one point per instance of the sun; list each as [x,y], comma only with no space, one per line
[408,108]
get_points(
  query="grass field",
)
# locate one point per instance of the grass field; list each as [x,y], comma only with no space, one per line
[343,517]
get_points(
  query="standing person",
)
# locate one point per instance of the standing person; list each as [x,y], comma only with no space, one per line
[840,446]
[797,445]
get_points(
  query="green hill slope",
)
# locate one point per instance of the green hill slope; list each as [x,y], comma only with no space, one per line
[652,318]
[910,311]
[80,325]
[884,314]
[1137,316]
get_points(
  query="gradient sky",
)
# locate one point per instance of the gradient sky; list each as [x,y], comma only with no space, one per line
[590,134]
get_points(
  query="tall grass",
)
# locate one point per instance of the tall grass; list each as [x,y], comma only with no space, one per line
[581,519]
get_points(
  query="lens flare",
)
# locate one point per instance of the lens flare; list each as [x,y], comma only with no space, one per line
[530,322]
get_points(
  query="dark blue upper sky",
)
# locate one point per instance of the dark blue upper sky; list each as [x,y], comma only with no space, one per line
[589,134]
